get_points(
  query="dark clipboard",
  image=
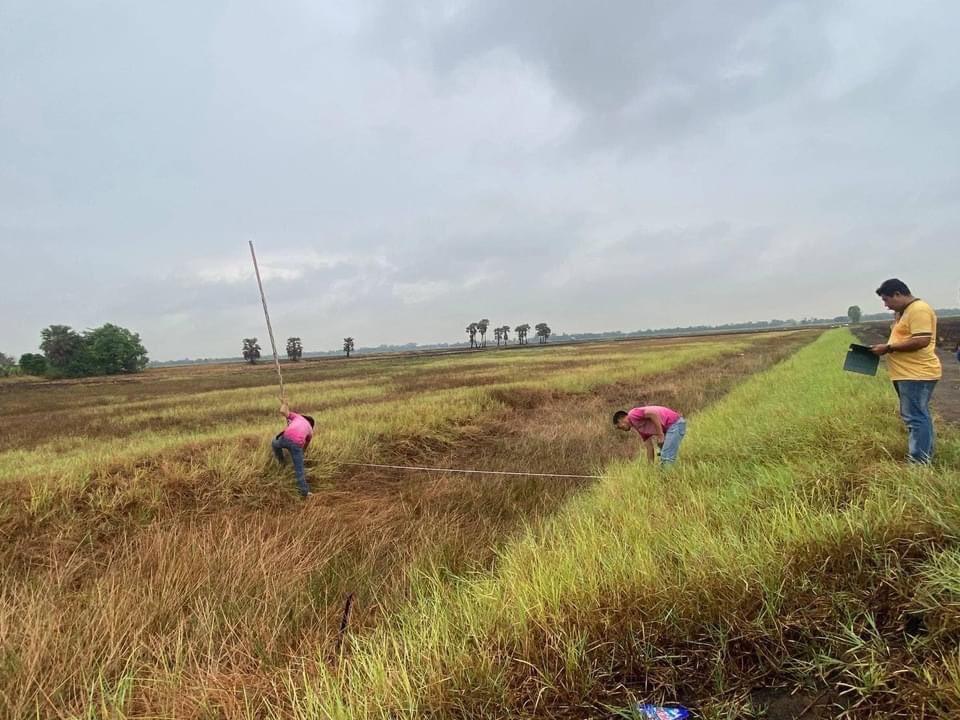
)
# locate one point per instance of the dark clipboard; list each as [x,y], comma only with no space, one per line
[861,359]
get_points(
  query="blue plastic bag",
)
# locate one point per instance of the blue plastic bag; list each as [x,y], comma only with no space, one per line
[656,712]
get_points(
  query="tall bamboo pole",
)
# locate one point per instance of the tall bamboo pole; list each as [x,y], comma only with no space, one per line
[266,314]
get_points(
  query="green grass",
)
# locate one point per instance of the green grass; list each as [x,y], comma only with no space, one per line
[788,546]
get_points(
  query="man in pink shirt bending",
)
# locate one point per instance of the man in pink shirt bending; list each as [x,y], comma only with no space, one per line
[295,439]
[654,424]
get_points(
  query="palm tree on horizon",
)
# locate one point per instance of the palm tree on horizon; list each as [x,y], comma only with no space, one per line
[251,350]
[294,348]
[543,332]
[482,327]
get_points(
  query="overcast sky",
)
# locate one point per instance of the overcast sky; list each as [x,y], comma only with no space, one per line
[405,168]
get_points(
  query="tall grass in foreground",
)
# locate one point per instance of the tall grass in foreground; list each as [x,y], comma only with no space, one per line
[790,546]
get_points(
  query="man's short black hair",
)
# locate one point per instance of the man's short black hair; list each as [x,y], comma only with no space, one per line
[891,287]
[308,419]
[618,416]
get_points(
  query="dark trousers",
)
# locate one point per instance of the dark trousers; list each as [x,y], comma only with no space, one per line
[296,452]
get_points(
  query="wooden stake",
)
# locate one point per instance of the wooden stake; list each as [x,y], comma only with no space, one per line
[344,622]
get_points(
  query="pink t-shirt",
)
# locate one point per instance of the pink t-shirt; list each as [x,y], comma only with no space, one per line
[298,429]
[642,424]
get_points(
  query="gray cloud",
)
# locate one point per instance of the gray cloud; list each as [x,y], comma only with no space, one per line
[406,168]
[639,72]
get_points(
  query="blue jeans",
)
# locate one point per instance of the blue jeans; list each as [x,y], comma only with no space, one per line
[296,452]
[915,410]
[671,441]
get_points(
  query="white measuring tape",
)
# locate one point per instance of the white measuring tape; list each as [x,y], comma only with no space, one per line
[474,472]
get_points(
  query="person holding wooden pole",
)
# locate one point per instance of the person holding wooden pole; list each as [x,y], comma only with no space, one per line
[296,438]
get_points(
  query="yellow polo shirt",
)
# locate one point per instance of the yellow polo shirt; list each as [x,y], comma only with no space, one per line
[918,318]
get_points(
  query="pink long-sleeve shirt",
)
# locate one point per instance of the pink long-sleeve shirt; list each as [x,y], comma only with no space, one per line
[642,424]
[298,430]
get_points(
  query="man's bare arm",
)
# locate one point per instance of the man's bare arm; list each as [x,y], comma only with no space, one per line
[654,417]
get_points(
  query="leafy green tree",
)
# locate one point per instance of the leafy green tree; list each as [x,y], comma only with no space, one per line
[63,349]
[251,350]
[854,313]
[482,329]
[472,332]
[498,335]
[7,365]
[33,364]
[505,332]
[113,350]
[348,345]
[294,348]
[522,331]
[106,350]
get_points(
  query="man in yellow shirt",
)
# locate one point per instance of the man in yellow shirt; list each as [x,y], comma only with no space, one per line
[912,364]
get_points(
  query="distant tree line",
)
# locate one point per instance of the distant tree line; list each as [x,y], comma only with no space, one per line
[251,349]
[477,331]
[502,333]
[106,350]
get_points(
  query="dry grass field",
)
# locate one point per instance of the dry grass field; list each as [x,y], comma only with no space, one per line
[158,563]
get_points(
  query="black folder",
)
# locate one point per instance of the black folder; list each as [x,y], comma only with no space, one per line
[860,359]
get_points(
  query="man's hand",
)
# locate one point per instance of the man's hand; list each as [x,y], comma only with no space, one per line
[917,341]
